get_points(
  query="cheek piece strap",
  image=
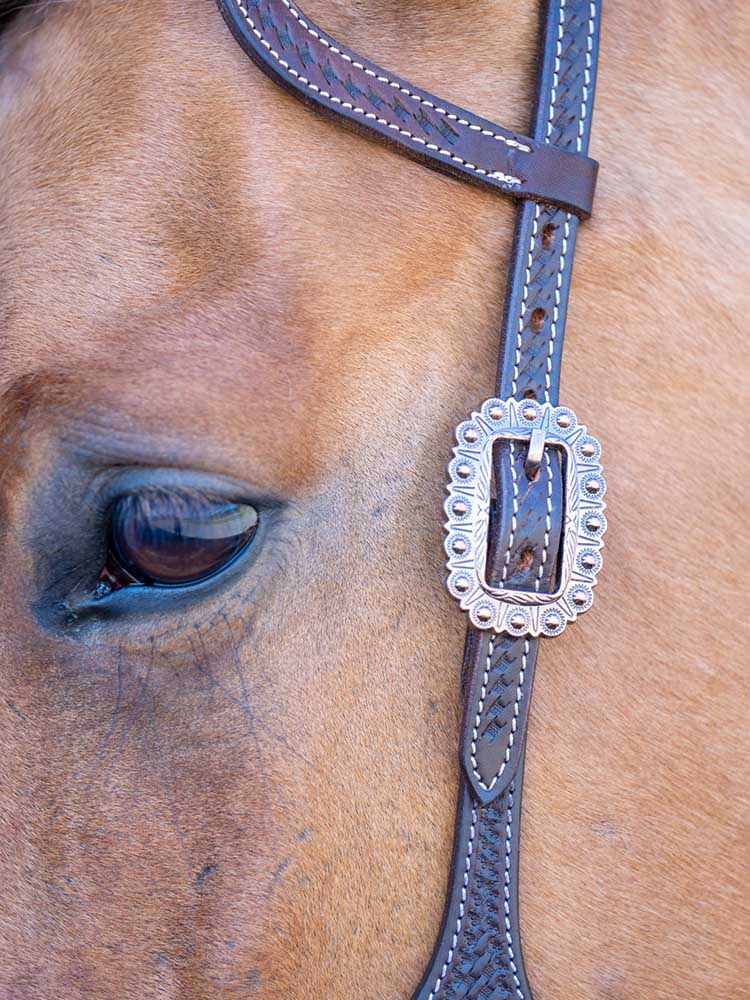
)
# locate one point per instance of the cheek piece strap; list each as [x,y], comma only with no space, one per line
[522,556]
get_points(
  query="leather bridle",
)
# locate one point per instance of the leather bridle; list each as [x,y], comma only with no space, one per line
[522,565]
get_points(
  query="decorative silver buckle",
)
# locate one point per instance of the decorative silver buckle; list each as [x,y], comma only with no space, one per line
[521,612]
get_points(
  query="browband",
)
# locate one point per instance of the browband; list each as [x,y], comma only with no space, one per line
[314,67]
[524,564]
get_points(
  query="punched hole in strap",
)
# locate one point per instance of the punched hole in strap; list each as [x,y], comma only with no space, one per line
[538,317]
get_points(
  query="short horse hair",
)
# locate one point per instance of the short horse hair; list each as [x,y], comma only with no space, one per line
[9,9]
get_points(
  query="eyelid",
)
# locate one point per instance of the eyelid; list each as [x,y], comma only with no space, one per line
[189,503]
[68,538]
[112,484]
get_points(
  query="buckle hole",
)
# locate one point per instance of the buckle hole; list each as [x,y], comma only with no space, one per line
[537,319]
[548,234]
[525,560]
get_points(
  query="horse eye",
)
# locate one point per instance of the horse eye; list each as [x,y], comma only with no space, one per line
[173,538]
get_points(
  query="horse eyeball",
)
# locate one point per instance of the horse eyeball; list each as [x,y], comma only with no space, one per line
[170,537]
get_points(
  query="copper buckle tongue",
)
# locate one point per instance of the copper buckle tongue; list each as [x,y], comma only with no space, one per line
[535,453]
[519,612]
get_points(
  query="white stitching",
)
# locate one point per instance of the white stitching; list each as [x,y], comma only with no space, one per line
[508,180]
[556,70]
[586,75]
[561,268]
[491,650]
[513,721]
[461,908]
[496,175]
[297,15]
[514,516]
[553,96]
[547,523]
[524,297]
[556,309]
[579,143]
[506,897]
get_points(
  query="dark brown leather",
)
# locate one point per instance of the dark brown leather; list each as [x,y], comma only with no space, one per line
[306,61]
[478,953]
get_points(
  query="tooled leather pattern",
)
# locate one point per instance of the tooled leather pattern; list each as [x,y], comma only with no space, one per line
[482,957]
[493,738]
[523,557]
[536,333]
[312,65]
[478,954]
[546,235]
[528,523]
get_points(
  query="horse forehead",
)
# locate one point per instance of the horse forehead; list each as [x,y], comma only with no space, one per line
[154,223]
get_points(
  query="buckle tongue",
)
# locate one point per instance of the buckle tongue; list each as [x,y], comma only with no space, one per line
[535,453]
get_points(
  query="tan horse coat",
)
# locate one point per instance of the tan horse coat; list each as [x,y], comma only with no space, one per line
[251,794]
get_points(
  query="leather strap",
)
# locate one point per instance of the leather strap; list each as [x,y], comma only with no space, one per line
[478,953]
[528,523]
[314,67]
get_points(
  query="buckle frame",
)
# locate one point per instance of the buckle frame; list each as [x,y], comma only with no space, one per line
[503,609]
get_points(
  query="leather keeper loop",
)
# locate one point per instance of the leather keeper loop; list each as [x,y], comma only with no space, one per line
[361,95]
